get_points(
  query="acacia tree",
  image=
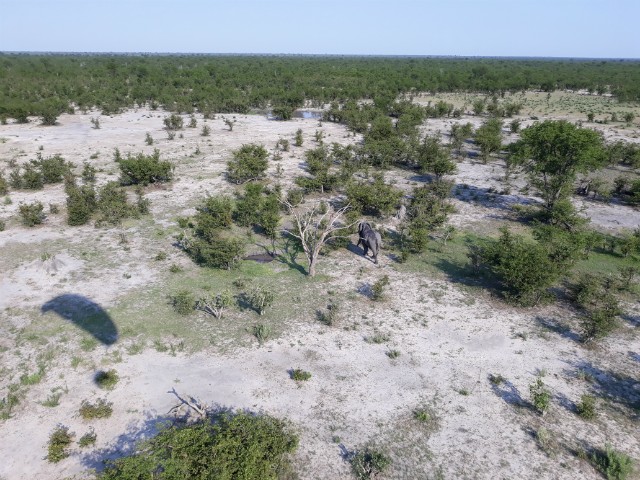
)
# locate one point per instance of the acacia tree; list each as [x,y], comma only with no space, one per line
[553,152]
[314,228]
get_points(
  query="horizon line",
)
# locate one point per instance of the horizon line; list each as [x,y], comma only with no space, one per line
[374,55]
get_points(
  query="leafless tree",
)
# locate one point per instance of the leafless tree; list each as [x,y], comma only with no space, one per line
[314,227]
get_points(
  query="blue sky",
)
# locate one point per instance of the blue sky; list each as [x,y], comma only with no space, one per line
[557,28]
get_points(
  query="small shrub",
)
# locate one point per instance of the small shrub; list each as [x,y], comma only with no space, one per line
[173,122]
[613,464]
[3,225]
[216,305]
[587,407]
[193,123]
[299,140]
[144,169]
[81,203]
[261,298]
[175,268]
[249,163]
[369,463]
[6,405]
[540,396]
[52,400]
[378,338]
[183,302]
[32,213]
[148,139]
[54,208]
[4,185]
[329,316]
[262,332]
[107,380]
[377,290]
[295,196]
[100,409]
[393,353]
[95,122]
[59,442]
[160,256]
[206,131]
[546,441]
[88,439]
[300,375]
[496,379]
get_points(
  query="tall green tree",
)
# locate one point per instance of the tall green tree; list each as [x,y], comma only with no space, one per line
[552,153]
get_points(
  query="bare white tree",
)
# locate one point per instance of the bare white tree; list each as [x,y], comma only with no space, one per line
[314,228]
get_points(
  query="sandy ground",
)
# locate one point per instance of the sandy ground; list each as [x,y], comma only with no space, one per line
[450,338]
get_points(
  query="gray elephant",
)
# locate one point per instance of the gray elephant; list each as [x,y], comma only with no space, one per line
[369,239]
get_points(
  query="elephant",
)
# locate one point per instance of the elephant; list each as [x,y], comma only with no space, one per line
[369,239]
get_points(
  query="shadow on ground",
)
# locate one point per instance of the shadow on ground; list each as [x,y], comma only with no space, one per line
[85,314]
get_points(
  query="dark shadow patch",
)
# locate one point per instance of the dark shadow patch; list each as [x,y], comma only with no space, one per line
[634,320]
[554,326]
[622,391]
[508,392]
[86,314]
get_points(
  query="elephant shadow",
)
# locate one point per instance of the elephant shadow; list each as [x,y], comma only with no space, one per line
[86,314]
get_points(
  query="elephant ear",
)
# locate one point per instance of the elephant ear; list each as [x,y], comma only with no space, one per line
[379,240]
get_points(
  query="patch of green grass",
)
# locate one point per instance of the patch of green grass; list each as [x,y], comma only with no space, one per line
[100,409]
[53,400]
[32,379]
[88,439]
[393,353]
[88,344]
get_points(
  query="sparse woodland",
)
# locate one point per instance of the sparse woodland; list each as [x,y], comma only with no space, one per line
[503,311]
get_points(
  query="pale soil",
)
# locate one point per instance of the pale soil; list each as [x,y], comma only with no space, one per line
[450,337]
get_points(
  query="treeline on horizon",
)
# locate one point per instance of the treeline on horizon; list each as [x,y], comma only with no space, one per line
[51,84]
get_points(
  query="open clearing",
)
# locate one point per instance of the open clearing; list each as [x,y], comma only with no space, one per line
[450,337]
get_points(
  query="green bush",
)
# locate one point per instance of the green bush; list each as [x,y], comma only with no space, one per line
[213,213]
[377,290]
[107,380]
[373,198]
[173,122]
[540,396]
[217,252]
[53,169]
[81,203]
[613,464]
[526,269]
[4,185]
[32,213]
[144,169]
[32,178]
[183,302]
[587,407]
[300,375]
[112,205]
[260,298]
[88,439]
[249,162]
[369,463]
[599,306]
[100,409]
[59,442]
[233,446]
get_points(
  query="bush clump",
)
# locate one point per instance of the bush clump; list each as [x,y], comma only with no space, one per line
[613,464]
[232,446]
[373,198]
[100,409]
[249,162]
[369,463]
[59,442]
[32,213]
[107,380]
[183,302]
[144,169]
